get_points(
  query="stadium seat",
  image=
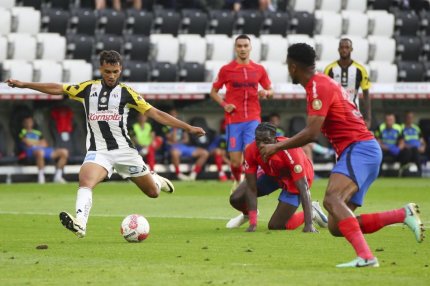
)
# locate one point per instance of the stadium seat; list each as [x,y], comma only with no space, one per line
[302,5]
[425,22]
[381,23]
[326,47]
[302,23]
[408,48]
[380,4]
[80,47]
[109,42]
[137,47]
[55,20]
[212,69]
[36,4]
[220,47]
[355,5]
[167,22]
[426,47]
[21,47]
[221,22]
[382,72]
[328,23]
[135,71]
[111,21]
[51,46]
[7,4]
[83,21]
[410,71]
[25,20]
[273,47]
[47,71]
[360,47]
[382,48]
[139,22]
[76,71]
[300,38]
[276,23]
[5,21]
[249,22]
[3,49]
[165,48]
[192,48]
[355,23]
[277,71]
[321,65]
[407,23]
[191,72]
[329,5]
[164,72]
[194,22]
[65,5]
[18,69]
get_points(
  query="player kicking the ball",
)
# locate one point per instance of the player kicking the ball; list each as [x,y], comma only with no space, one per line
[359,157]
[107,103]
[289,170]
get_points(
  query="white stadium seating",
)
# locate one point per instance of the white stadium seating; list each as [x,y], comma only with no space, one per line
[220,47]
[51,46]
[303,5]
[273,47]
[75,71]
[165,48]
[21,47]
[47,71]
[7,3]
[355,23]
[326,47]
[328,23]
[192,48]
[382,48]
[329,5]
[18,69]
[355,5]
[25,20]
[5,21]
[277,71]
[212,68]
[383,72]
[3,48]
[381,23]
[360,48]
[300,38]
[321,65]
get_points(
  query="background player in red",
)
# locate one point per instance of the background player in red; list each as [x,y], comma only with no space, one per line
[241,103]
[359,157]
[289,170]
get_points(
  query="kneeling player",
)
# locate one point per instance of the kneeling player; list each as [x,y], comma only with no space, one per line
[292,171]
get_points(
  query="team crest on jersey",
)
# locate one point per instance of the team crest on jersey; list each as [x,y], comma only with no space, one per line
[298,169]
[103,99]
[316,104]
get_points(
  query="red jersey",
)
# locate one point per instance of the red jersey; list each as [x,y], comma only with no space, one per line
[241,82]
[287,166]
[343,124]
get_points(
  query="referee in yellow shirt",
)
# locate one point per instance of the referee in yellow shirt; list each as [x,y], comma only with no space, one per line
[352,76]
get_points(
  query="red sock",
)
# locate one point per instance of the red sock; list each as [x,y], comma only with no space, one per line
[243,208]
[350,229]
[197,169]
[374,222]
[295,221]
[237,172]
[150,157]
[177,170]
[218,162]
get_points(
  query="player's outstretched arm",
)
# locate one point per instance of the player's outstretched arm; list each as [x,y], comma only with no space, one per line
[251,198]
[48,88]
[167,119]
[305,198]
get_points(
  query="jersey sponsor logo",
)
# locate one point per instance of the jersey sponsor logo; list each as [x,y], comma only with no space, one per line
[316,104]
[104,116]
[298,169]
[236,84]
[94,94]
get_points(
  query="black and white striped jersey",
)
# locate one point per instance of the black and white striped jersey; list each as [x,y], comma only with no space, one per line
[351,78]
[107,111]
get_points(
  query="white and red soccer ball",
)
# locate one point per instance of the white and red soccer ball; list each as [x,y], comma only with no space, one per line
[135,228]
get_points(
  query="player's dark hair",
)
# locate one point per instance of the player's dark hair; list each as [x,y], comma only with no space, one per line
[266,126]
[243,36]
[110,57]
[345,40]
[302,53]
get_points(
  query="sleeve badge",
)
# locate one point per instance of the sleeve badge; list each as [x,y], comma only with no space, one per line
[298,169]
[316,104]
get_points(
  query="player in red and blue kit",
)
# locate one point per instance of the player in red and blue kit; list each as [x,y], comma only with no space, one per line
[290,171]
[359,157]
[241,103]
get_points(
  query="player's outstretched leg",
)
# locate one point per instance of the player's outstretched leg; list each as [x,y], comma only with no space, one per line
[413,221]
[360,262]
[73,224]
[318,215]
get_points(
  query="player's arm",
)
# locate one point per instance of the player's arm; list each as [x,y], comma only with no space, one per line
[228,107]
[305,198]
[251,196]
[167,119]
[48,88]
[266,93]
[307,135]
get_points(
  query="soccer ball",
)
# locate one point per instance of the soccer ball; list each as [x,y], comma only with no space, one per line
[135,228]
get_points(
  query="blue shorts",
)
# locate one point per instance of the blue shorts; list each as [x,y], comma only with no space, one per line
[186,151]
[360,162]
[47,151]
[240,134]
[267,185]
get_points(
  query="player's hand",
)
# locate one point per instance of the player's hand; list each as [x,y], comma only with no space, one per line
[198,131]
[262,93]
[229,107]
[267,150]
[14,83]
[309,228]
[251,228]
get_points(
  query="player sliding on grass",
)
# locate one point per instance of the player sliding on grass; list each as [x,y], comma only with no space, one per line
[290,170]
[359,157]
[107,103]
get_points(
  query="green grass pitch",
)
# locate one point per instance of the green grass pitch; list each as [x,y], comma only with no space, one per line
[189,244]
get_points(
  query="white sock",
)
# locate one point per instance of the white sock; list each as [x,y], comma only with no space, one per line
[58,174]
[41,172]
[157,182]
[84,201]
